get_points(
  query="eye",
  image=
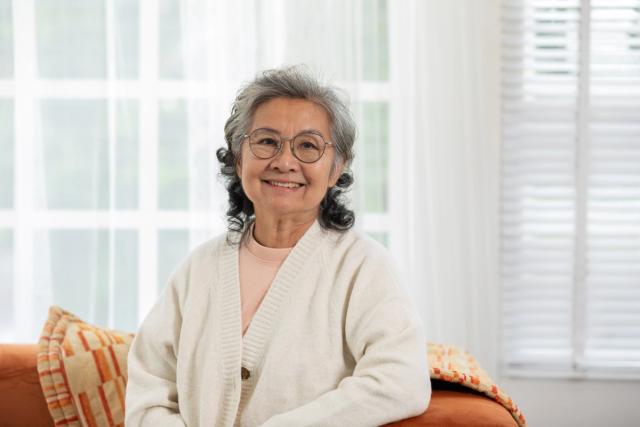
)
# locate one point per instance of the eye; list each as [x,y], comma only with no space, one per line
[307,144]
[267,142]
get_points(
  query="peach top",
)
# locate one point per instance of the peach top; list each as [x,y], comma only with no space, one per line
[258,267]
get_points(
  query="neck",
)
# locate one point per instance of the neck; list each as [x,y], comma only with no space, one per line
[280,232]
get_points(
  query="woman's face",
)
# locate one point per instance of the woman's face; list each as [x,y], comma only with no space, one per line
[307,182]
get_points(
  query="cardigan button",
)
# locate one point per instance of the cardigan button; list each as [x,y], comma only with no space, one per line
[244,373]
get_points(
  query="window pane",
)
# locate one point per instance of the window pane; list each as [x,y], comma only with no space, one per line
[125,282]
[375,134]
[6,40]
[375,40]
[6,159]
[71,38]
[76,158]
[127,155]
[79,271]
[170,40]
[173,189]
[313,30]
[127,38]
[6,285]
[173,246]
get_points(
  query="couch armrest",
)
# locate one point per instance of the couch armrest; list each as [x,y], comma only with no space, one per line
[22,402]
[453,405]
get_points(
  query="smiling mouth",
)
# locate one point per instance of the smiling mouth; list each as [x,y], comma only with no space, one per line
[291,185]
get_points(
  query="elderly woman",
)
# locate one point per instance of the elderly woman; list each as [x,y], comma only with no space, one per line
[291,318]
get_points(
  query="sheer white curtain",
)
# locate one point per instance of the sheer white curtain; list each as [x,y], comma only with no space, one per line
[445,73]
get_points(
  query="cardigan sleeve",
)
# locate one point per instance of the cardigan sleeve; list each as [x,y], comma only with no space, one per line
[384,334]
[151,395]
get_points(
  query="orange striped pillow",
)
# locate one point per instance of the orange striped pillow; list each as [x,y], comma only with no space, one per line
[83,371]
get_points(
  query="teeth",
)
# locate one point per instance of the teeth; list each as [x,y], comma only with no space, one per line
[285,184]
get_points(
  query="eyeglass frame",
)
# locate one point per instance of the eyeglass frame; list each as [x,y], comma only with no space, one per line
[283,140]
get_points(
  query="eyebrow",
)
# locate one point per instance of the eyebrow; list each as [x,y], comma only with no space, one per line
[315,131]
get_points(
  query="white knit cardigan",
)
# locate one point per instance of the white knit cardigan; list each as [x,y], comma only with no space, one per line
[335,342]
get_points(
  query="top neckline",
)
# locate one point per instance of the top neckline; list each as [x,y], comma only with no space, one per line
[271,255]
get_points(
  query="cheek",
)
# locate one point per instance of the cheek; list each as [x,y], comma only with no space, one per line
[247,167]
[320,180]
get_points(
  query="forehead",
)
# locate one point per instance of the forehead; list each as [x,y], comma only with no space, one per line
[290,116]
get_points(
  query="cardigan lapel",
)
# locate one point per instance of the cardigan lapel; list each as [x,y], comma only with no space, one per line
[239,352]
[265,318]
[230,332]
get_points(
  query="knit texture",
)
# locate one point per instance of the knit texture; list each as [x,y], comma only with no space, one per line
[258,267]
[335,341]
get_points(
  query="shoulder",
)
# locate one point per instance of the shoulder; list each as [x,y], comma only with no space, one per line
[371,277]
[358,247]
[198,267]
[205,252]
[361,263]
[202,254]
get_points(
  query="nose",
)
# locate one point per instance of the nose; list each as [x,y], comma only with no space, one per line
[285,161]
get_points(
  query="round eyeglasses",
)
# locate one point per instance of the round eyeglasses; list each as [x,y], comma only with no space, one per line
[308,147]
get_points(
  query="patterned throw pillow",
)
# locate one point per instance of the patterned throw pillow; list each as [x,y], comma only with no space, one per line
[448,363]
[83,371]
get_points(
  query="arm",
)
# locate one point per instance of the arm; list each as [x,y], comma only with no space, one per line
[151,396]
[391,379]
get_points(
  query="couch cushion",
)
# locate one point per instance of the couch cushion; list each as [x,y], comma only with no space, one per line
[82,371]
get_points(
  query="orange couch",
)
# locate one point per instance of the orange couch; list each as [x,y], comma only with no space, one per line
[23,404]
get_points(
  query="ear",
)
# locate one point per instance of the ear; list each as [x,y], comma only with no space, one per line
[335,174]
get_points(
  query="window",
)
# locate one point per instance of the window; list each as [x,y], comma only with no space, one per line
[571,188]
[108,129]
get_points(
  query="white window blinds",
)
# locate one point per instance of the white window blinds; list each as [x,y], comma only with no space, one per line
[571,187]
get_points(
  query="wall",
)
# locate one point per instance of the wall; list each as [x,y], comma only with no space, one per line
[584,403]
